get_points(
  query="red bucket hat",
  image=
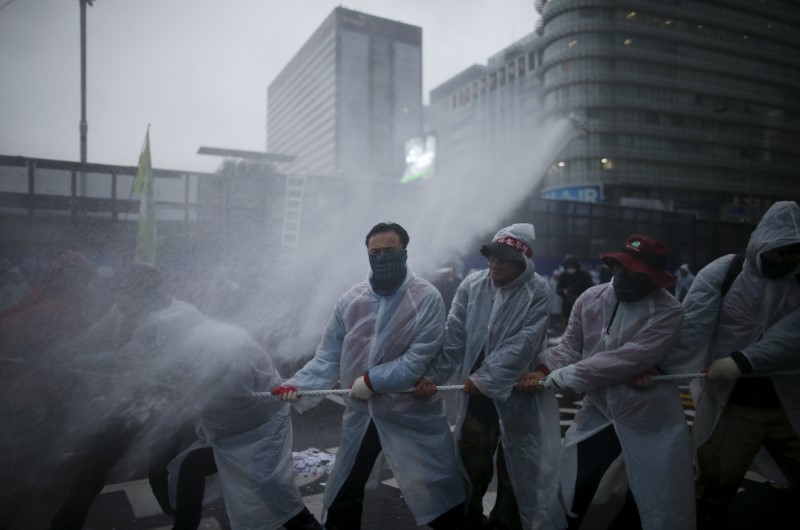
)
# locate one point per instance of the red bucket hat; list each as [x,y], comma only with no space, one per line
[644,255]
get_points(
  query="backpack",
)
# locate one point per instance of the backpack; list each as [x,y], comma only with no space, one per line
[734,269]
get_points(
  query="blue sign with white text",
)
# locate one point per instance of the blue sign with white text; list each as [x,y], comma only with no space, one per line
[576,193]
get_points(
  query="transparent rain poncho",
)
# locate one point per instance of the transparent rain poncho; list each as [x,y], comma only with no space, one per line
[510,325]
[191,368]
[758,317]
[395,338]
[251,437]
[650,423]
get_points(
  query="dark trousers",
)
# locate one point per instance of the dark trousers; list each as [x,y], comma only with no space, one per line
[21,470]
[726,456]
[480,440]
[160,456]
[99,456]
[595,455]
[303,521]
[197,465]
[346,509]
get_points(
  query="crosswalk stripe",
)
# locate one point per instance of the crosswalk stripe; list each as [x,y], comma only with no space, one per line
[314,505]
[206,523]
[139,495]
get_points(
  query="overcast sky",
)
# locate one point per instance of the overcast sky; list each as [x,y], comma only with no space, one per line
[196,70]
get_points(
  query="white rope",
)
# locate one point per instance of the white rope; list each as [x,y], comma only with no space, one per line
[677,377]
[700,375]
[449,387]
[301,392]
[672,377]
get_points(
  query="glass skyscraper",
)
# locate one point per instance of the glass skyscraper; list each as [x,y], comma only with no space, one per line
[486,117]
[688,105]
[348,101]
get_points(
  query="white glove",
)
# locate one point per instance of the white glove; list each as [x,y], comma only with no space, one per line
[561,378]
[723,370]
[360,390]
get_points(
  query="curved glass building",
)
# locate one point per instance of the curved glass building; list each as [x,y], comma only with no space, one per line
[687,105]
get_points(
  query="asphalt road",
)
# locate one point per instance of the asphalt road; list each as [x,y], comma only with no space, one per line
[127,503]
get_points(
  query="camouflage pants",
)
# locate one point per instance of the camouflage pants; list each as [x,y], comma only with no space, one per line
[480,440]
[726,456]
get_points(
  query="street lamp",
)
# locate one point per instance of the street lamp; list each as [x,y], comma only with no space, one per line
[84,126]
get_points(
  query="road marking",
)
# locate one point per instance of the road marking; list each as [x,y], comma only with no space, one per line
[488,501]
[139,495]
[314,505]
[206,523]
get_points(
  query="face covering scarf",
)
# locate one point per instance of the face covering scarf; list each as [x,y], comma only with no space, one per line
[776,269]
[388,272]
[631,287]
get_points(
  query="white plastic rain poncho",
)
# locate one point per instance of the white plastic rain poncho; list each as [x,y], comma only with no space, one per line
[113,334]
[757,317]
[251,437]
[395,338]
[126,366]
[606,344]
[214,368]
[509,325]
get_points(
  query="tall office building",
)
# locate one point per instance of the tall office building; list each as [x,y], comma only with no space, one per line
[689,105]
[487,117]
[348,101]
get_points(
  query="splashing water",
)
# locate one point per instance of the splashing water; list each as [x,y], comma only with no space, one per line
[187,365]
[444,216]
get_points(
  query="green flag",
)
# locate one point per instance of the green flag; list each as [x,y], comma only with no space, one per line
[143,185]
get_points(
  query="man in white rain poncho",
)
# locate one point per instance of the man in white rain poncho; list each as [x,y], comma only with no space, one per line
[497,323]
[156,363]
[752,331]
[250,439]
[383,334]
[617,331]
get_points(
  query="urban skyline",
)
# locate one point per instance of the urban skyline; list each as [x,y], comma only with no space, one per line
[196,71]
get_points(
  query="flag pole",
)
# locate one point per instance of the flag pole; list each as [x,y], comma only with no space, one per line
[146,242]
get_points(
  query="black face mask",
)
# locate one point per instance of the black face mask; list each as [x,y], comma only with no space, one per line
[776,269]
[388,272]
[631,287]
[389,267]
